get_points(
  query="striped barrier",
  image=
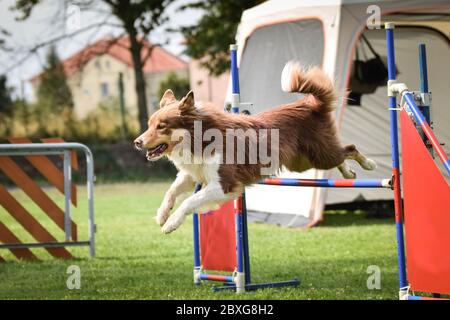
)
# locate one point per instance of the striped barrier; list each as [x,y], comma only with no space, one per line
[36,155]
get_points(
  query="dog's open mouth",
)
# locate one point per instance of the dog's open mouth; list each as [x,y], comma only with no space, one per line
[156,151]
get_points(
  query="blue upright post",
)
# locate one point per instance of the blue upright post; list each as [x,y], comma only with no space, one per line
[423,70]
[395,160]
[425,105]
[245,247]
[196,233]
[235,90]
[240,275]
[243,257]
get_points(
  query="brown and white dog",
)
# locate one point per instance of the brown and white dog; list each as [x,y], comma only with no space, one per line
[307,138]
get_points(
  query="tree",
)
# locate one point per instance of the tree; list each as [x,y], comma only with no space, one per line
[5,96]
[6,106]
[53,92]
[138,18]
[4,34]
[179,85]
[210,38]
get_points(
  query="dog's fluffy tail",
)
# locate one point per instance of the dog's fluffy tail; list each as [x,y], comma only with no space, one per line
[313,81]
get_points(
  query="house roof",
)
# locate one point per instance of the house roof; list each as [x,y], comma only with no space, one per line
[160,59]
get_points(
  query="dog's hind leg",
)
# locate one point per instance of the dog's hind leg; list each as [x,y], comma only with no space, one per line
[183,183]
[352,153]
[346,171]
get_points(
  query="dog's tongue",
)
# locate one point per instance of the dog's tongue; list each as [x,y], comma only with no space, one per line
[151,153]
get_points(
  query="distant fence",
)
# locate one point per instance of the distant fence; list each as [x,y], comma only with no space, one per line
[37,155]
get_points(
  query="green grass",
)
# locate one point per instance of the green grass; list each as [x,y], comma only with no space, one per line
[136,261]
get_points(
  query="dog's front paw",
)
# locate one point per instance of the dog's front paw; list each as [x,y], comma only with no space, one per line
[161,215]
[174,221]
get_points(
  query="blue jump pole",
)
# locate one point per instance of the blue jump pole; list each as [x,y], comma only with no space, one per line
[240,275]
[235,90]
[242,249]
[215,277]
[395,161]
[329,183]
[423,71]
[196,234]
[245,246]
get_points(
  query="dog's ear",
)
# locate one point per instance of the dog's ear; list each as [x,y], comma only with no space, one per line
[187,104]
[168,97]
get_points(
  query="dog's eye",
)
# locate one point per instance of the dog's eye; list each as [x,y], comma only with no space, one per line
[160,126]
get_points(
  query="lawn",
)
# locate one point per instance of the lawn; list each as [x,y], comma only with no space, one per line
[136,261]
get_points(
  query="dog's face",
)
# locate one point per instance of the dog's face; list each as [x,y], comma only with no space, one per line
[157,139]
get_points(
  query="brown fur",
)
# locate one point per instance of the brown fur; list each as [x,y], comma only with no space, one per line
[307,133]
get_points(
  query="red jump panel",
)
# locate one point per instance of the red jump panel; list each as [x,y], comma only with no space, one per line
[218,239]
[427,215]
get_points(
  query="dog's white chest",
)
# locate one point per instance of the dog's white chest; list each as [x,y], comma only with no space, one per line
[203,170]
[196,171]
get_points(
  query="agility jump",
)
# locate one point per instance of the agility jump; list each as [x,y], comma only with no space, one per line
[426,267]
[221,241]
[428,263]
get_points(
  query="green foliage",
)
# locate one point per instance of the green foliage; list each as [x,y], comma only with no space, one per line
[179,85]
[210,38]
[53,92]
[25,7]
[6,107]
[140,17]
[21,120]
[102,125]
[5,96]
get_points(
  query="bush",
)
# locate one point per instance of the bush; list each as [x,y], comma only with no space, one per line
[104,124]
[179,85]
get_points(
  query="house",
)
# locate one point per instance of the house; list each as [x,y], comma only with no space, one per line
[207,87]
[93,74]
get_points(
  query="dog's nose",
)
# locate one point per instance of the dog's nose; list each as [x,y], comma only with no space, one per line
[138,143]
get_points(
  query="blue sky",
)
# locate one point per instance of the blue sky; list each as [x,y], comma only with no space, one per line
[47,22]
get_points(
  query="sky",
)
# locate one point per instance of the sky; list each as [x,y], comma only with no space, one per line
[47,22]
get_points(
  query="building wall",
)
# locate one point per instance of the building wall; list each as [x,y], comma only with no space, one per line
[153,81]
[86,85]
[103,71]
[207,88]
